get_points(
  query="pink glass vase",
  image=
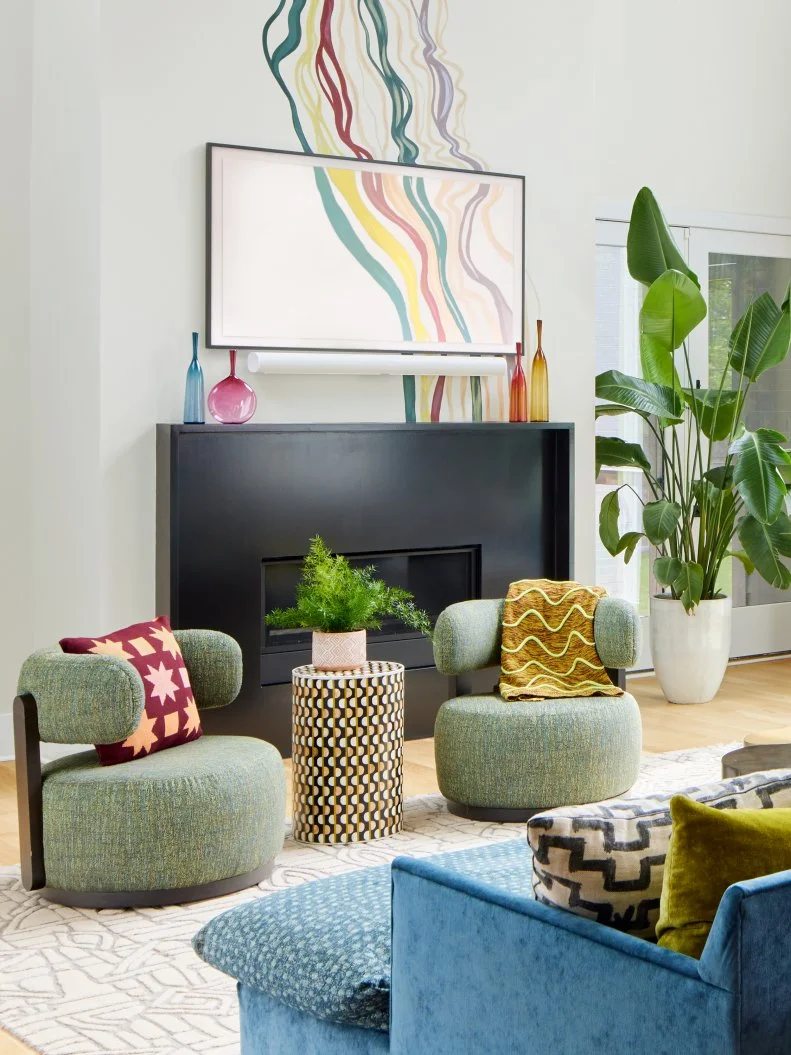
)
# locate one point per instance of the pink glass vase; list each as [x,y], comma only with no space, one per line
[232,401]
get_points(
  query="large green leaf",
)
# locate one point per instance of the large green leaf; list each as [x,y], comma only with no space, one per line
[640,395]
[689,584]
[761,337]
[756,476]
[617,453]
[672,308]
[667,570]
[716,410]
[650,249]
[627,544]
[608,522]
[765,544]
[720,476]
[660,520]
[609,410]
[657,363]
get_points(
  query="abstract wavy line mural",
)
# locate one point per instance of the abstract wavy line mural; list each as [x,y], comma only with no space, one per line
[371,81]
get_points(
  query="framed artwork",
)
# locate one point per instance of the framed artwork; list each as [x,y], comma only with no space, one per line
[313,252]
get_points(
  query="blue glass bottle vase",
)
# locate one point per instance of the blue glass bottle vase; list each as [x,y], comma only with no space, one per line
[193,392]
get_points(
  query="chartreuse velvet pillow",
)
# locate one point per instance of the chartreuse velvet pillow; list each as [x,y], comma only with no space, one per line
[709,850]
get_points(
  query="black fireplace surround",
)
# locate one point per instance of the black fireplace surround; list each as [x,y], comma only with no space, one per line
[448,511]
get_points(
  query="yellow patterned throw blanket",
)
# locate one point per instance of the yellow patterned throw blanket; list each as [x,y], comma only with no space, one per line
[548,647]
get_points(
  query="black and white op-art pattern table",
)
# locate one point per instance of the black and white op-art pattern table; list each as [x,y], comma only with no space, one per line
[347,753]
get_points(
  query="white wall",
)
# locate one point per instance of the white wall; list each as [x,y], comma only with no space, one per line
[16,102]
[692,99]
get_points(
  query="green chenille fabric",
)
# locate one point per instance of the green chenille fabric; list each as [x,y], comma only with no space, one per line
[206,810]
[82,699]
[616,631]
[468,634]
[710,849]
[214,662]
[536,754]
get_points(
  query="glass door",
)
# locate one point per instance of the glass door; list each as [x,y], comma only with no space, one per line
[734,267]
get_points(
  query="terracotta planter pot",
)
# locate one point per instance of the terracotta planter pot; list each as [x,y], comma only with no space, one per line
[690,652]
[339,651]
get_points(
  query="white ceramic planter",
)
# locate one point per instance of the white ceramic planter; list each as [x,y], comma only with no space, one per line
[690,652]
[339,651]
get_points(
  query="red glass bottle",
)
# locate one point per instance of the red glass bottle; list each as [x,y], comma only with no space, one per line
[518,400]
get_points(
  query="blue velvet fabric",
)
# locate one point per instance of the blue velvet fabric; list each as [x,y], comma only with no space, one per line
[476,969]
[272,1028]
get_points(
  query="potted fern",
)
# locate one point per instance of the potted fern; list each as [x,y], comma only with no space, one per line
[697,508]
[340,604]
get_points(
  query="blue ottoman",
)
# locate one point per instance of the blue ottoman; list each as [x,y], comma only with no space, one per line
[313,962]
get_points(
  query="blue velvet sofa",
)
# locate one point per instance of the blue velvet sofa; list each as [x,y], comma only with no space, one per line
[478,966]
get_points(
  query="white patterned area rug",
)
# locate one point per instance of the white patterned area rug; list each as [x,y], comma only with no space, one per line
[126,982]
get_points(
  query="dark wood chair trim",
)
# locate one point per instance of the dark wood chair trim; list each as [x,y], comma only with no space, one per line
[28,792]
[491,813]
[157,898]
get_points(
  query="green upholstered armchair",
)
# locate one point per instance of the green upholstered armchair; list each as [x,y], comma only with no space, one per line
[194,821]
[505,761]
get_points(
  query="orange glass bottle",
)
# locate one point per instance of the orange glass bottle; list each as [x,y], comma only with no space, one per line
[517,410]
[539,383]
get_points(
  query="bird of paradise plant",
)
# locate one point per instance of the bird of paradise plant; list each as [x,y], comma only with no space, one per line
[697,508]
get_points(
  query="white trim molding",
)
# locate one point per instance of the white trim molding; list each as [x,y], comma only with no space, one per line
[620,212]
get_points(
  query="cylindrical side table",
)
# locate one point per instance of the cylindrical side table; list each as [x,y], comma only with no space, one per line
[347,752]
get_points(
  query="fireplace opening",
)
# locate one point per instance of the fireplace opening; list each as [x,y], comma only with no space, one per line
[435,577]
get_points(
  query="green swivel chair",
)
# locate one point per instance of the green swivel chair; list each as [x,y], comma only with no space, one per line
[506,760]
[190,822]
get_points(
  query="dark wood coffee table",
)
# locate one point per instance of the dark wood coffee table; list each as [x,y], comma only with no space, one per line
[755,759]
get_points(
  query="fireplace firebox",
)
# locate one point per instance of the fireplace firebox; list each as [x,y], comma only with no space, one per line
[449,512]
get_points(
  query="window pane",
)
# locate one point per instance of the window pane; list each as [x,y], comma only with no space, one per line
[734,280]
[618,300]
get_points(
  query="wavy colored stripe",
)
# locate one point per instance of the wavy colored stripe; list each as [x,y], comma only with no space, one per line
[442,96]
[436,399]
[415,190]
[504,311]
[346,234]
[549,671]
[541,619]
[546,648]
[400,98]
[410,412]
[336,90]
[577,588]
[282,51]
[345,181]
[393,185]
[374,186]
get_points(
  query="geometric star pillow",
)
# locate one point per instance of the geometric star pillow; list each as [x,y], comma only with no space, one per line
[170,716]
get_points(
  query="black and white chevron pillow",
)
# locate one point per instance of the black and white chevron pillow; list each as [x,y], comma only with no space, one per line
[606,861]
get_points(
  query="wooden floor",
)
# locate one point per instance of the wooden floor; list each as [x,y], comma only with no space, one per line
[754,696]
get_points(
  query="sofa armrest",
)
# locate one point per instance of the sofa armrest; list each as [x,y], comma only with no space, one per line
[617,632]
[747,953]
[467,636]
[214,663]
[479,969]
[82,699]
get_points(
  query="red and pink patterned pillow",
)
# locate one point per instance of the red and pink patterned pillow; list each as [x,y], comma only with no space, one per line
[170,716]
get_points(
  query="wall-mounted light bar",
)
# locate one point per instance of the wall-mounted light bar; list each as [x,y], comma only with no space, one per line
[376,363]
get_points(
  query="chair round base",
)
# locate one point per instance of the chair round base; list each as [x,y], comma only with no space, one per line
[156,898]
[491,813]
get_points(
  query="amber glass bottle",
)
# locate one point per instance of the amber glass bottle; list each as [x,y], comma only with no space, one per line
[539,383]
